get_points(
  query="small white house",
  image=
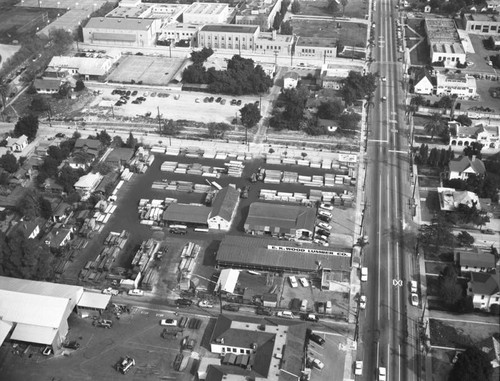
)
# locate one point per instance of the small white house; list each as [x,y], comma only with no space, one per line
[290,80]
[422,83]
[484,289]
[87,183]
[223,209]
[17,144]
[462,167]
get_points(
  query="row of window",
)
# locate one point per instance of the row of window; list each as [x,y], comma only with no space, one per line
[224,46]
[485,28]
[453,59]
[235,350]
[222,38]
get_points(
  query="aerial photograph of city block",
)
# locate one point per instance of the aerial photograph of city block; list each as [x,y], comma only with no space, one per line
[249,190]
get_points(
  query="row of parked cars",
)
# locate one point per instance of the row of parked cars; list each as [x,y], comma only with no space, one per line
[322,229]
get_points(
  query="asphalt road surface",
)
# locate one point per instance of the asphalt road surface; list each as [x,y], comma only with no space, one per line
[388,326]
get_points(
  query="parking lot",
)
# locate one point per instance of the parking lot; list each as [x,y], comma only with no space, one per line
[137,335]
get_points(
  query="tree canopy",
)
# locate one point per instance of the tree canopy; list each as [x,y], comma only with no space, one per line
[9,162]
[27,125]
[200,56]
[250,115]
[472,364]
[357,86]
[435,126]
[330,110]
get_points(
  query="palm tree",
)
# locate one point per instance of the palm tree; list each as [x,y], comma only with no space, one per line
[344,3]
[4,92]
[435,125]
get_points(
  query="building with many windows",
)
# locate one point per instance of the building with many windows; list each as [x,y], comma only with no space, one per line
[258,12]
[462,85]
[444,42]
[225,36]
[316,48]
[173,33]
[206,13]
[482,23]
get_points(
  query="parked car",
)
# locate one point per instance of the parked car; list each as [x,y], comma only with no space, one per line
[320,242]
[205,304]
[71,344]
[316,338]
[218,100]
[285,314]
[364,274]
[103,323]
[312,317]
[326,206]
[413,286]
[382,374]
[304,282]
[184,302]
[488,231]
[211,99]
[324,225]
[328,307]
[125,364]
[223,102]
[362,302]
[318,364]
[136,292]
[238,102]
[323,232]
[231,307]
[324,213]
[303,305]
[233,102]
[188,343]
[320,307]
[110,291]
[205,100]
[358,370]
[197,100]
[293,281]
[414,300]
[134,93]
[322,237]
[168,322]
[324,218]
[264,311]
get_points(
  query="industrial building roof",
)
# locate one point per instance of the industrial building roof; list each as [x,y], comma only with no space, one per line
[94,300]
[227,28]
[206,9]
[84,65]
[284,217]
[119,23]
[5,328]
[34,334]
[41,288]
[251,252]
[227,280]
[88,180]
[225,203]
[477,259]
[194,214]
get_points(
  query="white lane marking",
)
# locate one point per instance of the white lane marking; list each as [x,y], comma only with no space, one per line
[389,273]
[399,362]
[378,355]
[379,243]
[398,275]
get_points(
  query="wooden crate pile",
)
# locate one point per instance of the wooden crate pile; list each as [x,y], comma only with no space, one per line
[272,176]
[145,254]
[189,254]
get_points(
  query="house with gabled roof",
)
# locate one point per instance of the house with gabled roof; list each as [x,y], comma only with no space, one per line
[474,260]
[462,136]
[59,237]
[30,229]
[484,289]
[223,209]
[89,146]
[17,144]
[464,166]
[422,83]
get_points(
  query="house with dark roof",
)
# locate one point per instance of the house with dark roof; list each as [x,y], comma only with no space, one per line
[47,85]
[462,136]
[491,346]
[30,229]
[258,349]
[474,260]
[223,209]
[423,83]
[59,237]
[61,212]
[484,289]
[292,221]
[89,146]
[120,157]
[463,166]
[50,185]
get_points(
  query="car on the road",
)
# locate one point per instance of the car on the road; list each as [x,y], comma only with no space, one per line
[318,364]
[285,314]
[488,231]
[264,311]
[326,206]
[205,304]
[362,302]
[413,286]
[184,302]
[168,322]
[414,299]
[304,282]
[231,307]
[358,370]
[110,291]
[384,98]
[316,338]
[312,317]
[293,281]
[136,292]
[382,374]
[364,274]
[384,79]
[324,225]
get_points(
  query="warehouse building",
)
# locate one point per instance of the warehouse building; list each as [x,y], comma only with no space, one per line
[223,209]
[224,36]
[86,67]
[292,221]
[128,32]
[206,13]
[187,214]
[268,254]
[444,42]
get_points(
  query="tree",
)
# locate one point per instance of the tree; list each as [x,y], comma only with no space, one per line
[286,28]
[200,56]
[131,141]
[27,125]
[68,177]
[472,364]
[61,41]
[464,120]
[80,85]
[465,239]
[357,86]
[104,138]
[330,110]
[103,168]
[217,130]
[118,141]
[250,115]
[9,162]
[473,149]
[45,207]
[278,19]
[349,121]
[296,7]
[4,93]
[170,128]
[332,6]
[343,3]
[417,100]
[39,103]
[445,102]
[435,125]
[437,235]
[450,290]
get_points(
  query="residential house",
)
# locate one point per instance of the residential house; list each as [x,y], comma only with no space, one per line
[87,183]
[491,346]
[450,199]
[223,209]
[17,144]
[59,237]
[61,212]
[90,146]
[30,229]
[484,289]
[120,157]
[270,300]
[290,80]
[474,260]
[422,82]
[50,185]
[464,166]
[462,136]
[108,180]
[47,85]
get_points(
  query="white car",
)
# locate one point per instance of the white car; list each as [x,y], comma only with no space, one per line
[414,299]
[318,364]
[323,238]
[362,302]
[324,213]
[293,281]
[384,79]
[304,282]
[205,304]
[413,286]
[382,374]
[358,371]
[320,242]
[324,225]
[364,274]
[136,292]
[326,206]
[285,314]
[169,322]
[384,98]
[110,291]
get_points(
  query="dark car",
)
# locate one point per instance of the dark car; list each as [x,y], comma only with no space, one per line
[238,102]
[233,102]
[118,103]
[323,218]
[60,135]
[211,99]
[323,232]
[134,93]
[205,100]
[71,345]
[264,311]
[316,338]
[218,99]
[231,307]
[184,302]
[128,92]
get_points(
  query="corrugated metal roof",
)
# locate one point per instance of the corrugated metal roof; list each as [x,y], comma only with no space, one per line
[34,334]
[5,328]
[225,203]
[41,288]
[282,217]
[39,310]
[227,280]
[191,214]
[94,300]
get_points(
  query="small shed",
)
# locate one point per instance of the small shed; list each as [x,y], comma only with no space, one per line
[270,300]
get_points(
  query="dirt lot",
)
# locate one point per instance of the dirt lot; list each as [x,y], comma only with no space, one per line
[354,8]
[348,34]
[459,334]
[149,70]
[136,335]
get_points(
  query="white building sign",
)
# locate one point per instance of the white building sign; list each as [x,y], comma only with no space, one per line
[308,251]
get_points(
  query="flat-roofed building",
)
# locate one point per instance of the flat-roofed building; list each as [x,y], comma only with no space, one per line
[224,36]
[482,23]
[87,67]
[173,33]
[273,43]
[132,32]
[206,13]
[317,48]
[193,215]
[258,12]
[462,85]
[444,42]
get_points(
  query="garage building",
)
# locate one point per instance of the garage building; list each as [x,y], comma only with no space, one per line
[282,256]
[188,214]
[293,221]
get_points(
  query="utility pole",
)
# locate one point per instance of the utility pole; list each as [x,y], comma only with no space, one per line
[159,121]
